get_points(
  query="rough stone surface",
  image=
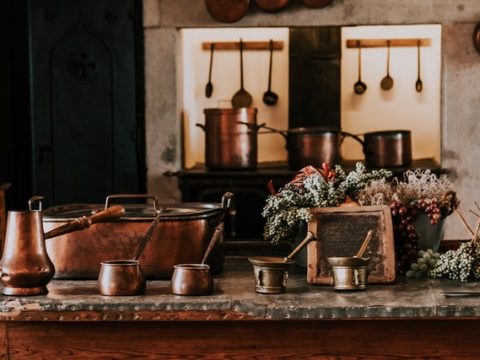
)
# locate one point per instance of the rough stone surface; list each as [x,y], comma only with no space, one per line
[461,76]
[235,292]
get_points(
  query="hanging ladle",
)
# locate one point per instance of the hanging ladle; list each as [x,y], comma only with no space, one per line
[359,87]
[241,98]
[418,83]
[269,97]
[125,277]
[387,81]
[209,86]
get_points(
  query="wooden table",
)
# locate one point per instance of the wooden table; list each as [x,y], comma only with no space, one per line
[410,319]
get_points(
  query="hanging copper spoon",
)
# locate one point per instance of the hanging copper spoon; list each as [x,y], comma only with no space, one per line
[387,81]
[418,83]
[241,98]
[209,86]
[359,87]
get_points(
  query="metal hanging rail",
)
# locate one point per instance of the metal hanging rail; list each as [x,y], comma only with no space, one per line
[247,45]
[371,43]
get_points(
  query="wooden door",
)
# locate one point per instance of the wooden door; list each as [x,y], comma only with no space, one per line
[86,108]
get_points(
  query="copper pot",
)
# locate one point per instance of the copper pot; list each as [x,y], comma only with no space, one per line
[313,145]
[182,236]
[230,138]
[388,148]
[121,278]
[272,5]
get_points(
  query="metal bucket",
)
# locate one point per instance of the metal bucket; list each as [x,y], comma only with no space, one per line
[349,273]
[271,274]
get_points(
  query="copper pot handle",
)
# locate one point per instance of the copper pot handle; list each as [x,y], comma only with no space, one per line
[133,196]
[84,222]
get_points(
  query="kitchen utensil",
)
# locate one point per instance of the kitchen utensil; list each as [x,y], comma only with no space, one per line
[209,86]
[418,83]
[365,243]
[271,273]
[272,5]
[25,266]
[387,81]
[269,97]
[241,98]
[125,277]
[391,148]
[313,145]
[349,272]
[227,10]
[316,3]
[185,230]
[196,279]
[359,87]
[230,138]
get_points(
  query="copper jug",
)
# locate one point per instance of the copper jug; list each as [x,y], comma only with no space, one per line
[25,268]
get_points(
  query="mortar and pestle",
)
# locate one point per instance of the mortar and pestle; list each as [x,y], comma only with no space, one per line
[271,273]
[350,272]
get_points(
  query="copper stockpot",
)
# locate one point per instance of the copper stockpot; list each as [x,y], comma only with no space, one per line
[230,138]
[182,236]
[391,148]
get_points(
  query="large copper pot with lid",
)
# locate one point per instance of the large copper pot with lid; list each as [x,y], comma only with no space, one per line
[181,236]
[230,138]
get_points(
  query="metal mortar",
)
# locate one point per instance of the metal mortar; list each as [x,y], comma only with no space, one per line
[271,274]
[349,273]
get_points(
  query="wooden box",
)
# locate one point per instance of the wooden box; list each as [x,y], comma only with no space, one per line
[340,231]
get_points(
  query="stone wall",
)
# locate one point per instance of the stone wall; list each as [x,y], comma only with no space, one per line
[460,91]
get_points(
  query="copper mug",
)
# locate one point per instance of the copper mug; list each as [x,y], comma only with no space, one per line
[121,278]
[192,279]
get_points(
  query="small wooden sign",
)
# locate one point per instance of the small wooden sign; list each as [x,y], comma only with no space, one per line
[340,231]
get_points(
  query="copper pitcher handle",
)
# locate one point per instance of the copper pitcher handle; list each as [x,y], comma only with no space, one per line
[33,200]
[133,196]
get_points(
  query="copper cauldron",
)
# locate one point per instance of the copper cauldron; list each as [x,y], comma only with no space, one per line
[25,266]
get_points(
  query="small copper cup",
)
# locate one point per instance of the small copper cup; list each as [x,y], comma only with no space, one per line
[192,279]
[121,278]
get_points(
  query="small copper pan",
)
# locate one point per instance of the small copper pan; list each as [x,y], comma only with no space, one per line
[196,279]
[125,277]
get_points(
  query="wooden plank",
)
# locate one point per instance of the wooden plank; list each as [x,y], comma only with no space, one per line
[4,341]
[247,45]
[340,232]
[355,339]
[369,43]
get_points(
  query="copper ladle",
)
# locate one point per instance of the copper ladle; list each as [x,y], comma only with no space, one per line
[359,87]
[418,83]
[387,81]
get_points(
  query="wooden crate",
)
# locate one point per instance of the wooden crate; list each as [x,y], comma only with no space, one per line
[340,231]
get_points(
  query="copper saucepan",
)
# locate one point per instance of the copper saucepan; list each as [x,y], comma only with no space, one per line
[196,279]
[124,277]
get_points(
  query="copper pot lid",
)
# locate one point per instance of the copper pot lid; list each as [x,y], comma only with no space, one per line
[134,212]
